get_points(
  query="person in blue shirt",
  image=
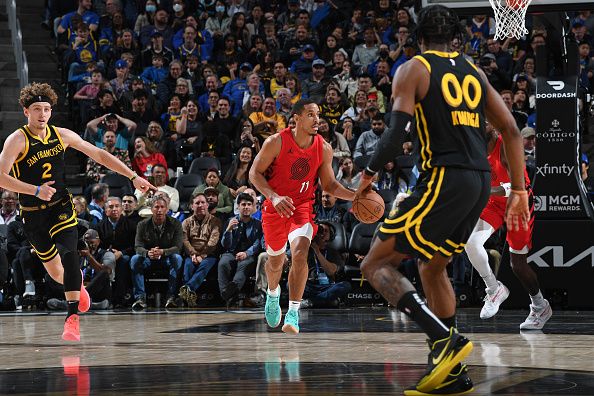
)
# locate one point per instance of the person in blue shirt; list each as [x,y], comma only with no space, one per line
[84,11]
[241,242]
[154,74]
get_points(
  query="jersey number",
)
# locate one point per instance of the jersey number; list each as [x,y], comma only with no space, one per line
[46,171]
[304,187]
[460,93]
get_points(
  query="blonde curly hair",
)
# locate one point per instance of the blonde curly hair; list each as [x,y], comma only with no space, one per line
[37,89]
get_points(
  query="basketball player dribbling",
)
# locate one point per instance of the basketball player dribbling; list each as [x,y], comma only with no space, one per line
[519,241]
[32,164]
[286,172]
[450,99]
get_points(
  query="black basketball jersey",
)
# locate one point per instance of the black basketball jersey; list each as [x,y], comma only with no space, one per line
[40,162]
[451,118]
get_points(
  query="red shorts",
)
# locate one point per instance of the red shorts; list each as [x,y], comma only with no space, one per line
[277,229]
[494,214]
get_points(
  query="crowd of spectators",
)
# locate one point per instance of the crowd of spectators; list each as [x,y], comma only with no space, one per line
[167,85]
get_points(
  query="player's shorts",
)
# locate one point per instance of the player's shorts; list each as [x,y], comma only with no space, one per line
[278,230]
[519,241]
[43,223]
[440,214]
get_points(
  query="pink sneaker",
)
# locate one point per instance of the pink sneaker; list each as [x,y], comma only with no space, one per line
[84,302]
[71,329]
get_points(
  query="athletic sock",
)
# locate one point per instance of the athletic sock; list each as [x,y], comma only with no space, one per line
[294,305]
[275,292]
[449,322]
[538,300]
[491,282]
[414,307]
[72,308]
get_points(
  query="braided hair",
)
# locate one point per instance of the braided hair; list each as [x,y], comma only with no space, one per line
[438,24]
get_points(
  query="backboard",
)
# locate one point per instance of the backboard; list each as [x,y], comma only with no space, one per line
[469,7]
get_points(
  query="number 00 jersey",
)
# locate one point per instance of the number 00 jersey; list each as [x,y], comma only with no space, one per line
[40,162]
[451,118]
[294,172]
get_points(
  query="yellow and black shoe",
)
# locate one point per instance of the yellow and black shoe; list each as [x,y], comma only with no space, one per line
[456,383]
[444,356]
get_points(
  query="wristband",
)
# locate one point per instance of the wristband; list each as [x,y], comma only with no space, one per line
[520,192]
[37,191]
[506,187]
[134,176]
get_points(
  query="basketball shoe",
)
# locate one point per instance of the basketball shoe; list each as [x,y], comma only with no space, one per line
[538,317]
[445,354]
[456,383]
[272,310]
[291,321]
[84,302]
[71,329]
[494,300]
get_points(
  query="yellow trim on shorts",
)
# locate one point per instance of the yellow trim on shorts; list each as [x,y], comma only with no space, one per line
[63,224]
[423,133]
[419,220]
[51,256]
[46,253]
[411,212]
[424,62]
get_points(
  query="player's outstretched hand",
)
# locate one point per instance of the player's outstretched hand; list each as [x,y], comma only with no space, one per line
[517,213]
[143,185]
[46,191]
[283,205]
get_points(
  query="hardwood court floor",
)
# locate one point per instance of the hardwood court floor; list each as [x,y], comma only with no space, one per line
[357,351]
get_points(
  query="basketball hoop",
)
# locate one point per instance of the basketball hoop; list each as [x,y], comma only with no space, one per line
[510,18]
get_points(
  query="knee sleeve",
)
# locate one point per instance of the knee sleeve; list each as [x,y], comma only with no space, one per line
[72,274]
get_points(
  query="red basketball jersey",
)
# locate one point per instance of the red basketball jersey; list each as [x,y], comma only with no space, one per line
[499,171]
[294,172]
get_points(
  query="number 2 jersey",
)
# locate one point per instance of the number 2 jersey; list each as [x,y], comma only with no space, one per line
[40,162]
[450,119]
[294,172]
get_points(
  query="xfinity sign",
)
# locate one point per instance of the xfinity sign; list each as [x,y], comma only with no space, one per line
[558,257]
[546,169]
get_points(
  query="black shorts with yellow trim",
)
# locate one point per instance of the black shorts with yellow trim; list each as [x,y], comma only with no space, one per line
[441,213]
[43,226]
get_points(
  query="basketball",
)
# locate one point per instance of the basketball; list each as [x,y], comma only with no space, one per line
[369,208]
[515,4]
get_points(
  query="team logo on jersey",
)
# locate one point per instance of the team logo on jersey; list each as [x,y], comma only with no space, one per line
[63,217]
[300,169]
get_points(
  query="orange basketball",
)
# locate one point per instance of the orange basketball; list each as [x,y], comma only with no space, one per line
[515,4]
[369,208]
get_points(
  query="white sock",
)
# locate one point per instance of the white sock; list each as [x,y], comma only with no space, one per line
[478,255]
[275,292]
[491,283]
[294,305]
[538,300]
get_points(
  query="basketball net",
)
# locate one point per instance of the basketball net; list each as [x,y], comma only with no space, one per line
[510,18]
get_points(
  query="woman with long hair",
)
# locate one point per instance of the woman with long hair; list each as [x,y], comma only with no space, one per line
[147,17]
[145,156]
[163,145]
[357,110]
[246,136]
[239,29]
[292,82]
[347,174]
[213,179]
[237,178]
[328,49]
[188,126]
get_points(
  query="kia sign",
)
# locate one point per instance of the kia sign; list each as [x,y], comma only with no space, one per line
[562,256]
[557,180]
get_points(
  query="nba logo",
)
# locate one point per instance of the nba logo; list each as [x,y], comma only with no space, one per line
[540,203]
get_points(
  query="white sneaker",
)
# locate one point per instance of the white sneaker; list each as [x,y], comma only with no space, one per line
[537,318]
[493,301]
